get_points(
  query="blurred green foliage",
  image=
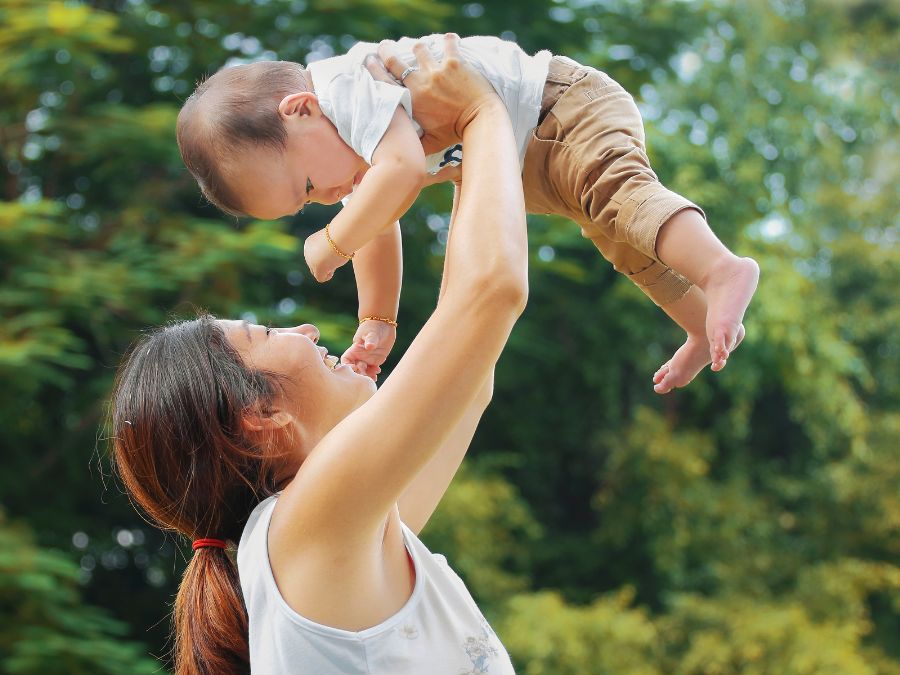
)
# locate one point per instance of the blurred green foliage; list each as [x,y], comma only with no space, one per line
[747,524]
[46,628]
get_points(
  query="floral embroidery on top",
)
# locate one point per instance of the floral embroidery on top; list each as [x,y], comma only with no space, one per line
[409,631]
[480,651]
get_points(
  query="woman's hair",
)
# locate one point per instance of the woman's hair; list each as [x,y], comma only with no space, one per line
[179,447]
[234,109]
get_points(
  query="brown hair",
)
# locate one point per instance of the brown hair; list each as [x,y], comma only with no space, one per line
[180,450]
[235,108]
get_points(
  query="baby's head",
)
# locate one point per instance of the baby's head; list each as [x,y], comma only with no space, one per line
[230,114]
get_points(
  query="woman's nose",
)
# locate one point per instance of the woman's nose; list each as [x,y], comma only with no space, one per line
[309,331]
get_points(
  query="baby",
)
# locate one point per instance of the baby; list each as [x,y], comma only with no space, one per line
[264,139]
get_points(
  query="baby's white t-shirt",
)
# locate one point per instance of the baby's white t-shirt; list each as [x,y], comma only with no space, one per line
[361,108]
[439,631]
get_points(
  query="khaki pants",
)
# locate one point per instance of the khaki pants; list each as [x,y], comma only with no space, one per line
[586,161]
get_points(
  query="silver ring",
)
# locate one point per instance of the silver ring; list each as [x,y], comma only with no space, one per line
[406,73]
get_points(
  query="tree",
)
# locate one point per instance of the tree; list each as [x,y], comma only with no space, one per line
[46,626]
[748,521]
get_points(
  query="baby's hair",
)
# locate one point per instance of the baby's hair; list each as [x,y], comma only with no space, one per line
[235,108]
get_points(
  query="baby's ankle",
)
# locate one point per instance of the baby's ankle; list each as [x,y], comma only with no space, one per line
[697,337]
[721,266]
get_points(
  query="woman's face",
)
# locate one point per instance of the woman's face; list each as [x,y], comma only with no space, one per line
[316,382]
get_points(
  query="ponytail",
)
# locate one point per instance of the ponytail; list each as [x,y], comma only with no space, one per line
[179,448]
[210,620]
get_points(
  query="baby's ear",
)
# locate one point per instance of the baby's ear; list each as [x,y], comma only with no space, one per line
[299,103]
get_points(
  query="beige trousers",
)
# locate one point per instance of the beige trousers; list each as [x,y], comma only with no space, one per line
[587,161]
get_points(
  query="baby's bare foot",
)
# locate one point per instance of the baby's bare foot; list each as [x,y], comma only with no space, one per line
[678,371]
[682,368]
[728,287]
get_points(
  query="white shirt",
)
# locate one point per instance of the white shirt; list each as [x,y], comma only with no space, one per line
[439,630]
[361,108]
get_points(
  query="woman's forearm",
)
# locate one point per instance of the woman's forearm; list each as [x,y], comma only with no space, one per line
[453,211]
[489,244]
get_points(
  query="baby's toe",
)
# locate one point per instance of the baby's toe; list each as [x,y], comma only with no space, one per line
[661,373]
[668,381]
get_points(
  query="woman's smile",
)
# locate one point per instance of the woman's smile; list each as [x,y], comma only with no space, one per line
[330,360]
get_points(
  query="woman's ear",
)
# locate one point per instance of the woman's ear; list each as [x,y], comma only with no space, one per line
[300,103]
[256,420]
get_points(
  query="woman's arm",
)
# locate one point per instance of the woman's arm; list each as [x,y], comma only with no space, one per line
[356,474]
[422,496]
[426,490]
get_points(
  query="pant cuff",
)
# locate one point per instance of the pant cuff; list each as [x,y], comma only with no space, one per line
[661,284]
[645,212]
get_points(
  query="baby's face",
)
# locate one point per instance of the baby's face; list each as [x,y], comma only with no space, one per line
[317,166]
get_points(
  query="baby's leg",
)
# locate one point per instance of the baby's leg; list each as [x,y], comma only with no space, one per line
[621,197]
[588,162]
[687,244]
[683,302]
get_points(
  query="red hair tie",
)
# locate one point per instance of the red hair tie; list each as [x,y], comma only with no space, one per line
[208,543]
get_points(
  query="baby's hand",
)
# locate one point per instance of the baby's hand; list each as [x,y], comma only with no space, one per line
[321,257]
[371,345]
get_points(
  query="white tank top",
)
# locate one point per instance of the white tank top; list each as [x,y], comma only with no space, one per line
[439,630]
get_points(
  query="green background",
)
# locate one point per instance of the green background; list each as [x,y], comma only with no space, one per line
[747,524]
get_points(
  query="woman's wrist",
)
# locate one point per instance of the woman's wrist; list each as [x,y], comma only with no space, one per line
[485,105]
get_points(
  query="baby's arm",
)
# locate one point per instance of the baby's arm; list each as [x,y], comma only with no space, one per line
[379,271]
[386,192]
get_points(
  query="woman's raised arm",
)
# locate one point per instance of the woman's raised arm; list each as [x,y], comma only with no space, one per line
[356,474]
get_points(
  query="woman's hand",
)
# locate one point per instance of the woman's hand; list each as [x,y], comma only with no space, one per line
[446,95]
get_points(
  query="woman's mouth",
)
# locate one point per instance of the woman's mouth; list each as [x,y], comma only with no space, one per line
[329,360]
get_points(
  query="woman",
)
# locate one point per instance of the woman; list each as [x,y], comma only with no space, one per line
[227,431]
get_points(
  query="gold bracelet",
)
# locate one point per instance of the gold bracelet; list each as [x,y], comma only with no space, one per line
[334,246]
[383,319]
